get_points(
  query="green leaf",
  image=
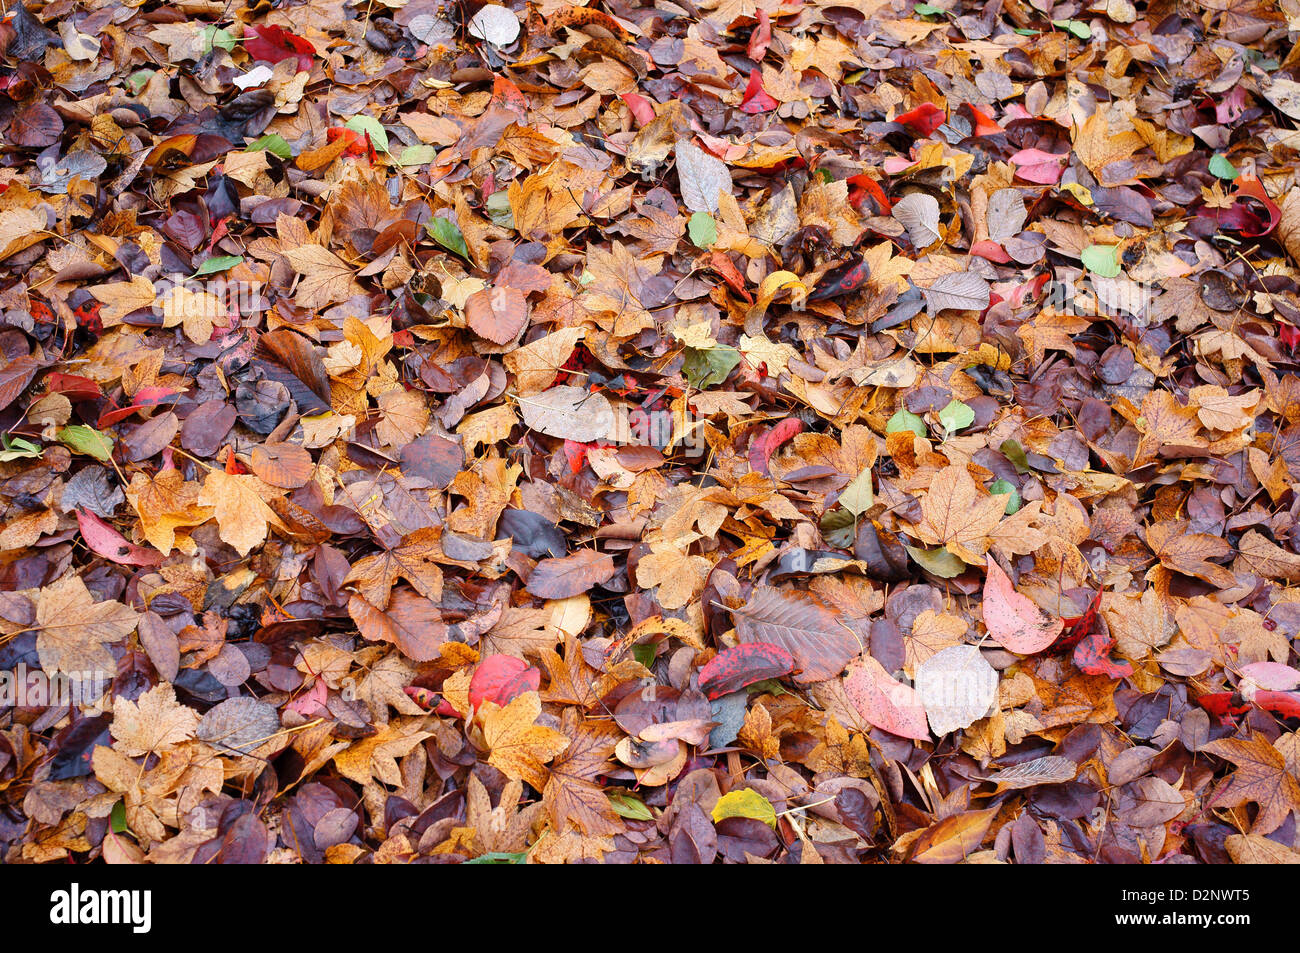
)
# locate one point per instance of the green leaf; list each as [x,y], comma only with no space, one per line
[705,367]
[447,234]
[139,80]
[1077,27]
[499,857]
[1222,168]
[703,229]
[645,654]
[837,526]
[418,155]
[499,210]
[927,10]
[272,142]
[906,420]
[1025,31]
[82,439]
[956,416]
[1101,260]
[371,125]
[747,803]
[768,686]
[16,448]
[858,495]
[1016,454]
[214,37]
[1006,486]
[117,818]
[939,561]
[625,805]
[218,263]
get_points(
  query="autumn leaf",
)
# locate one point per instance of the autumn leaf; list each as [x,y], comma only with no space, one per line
[1262,777]
[154,723]
[240,509]
[73,628]
[956,515]
[1013,620]
[517,746]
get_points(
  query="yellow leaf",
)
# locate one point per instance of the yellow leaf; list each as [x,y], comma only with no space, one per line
[518,747]
[747,803]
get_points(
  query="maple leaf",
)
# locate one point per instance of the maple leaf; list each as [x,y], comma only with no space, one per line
[326,278]
[154,723]
[572,797]
[413,560]
[955,514]
[505,828]
[239,505]
[375,758]
[1190,553]
[517,746]
[73,629]
[1261,776]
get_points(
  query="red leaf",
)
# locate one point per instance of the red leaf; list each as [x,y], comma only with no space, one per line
[1286,704]
[642,111]
[982,125]
[860,186]
[72,386]
[1092,656]
[756,98]
[1223,705]
[761,450]
[112,545]
[761,38]
[500,678]
[734,668]
[273,43]
[923,120]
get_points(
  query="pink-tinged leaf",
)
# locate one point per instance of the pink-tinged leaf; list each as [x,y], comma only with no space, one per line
[734,668]
[1272,676]
[312,702]
[923,120]
[761,450]
[756,98]
[991,251]
[1034,165]
[761,38]
[642,110]
[1013,620]
[500,678]
[1229,109]
[887,704]
[272,44]
[112,545]
[896,164]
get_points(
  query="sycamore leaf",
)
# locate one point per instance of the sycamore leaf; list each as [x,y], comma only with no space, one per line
[517,746]
[73,628]
[154,723]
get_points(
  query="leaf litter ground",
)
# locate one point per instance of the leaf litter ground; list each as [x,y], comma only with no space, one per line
[761,431]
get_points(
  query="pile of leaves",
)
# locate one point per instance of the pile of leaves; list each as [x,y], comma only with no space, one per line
[743,431]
